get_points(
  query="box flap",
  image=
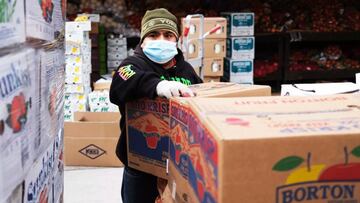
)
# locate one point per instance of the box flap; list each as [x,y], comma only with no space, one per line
[226,89]
[319,89]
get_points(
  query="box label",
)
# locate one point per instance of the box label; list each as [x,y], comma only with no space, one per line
[318,182]
[148,134]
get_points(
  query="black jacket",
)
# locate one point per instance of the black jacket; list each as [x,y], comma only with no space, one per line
[137,77]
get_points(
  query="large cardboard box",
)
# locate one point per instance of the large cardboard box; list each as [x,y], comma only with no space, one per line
[148,124]
[91,139]
[12,23]
[239,70]
[209,24]
[239,24]
[213,66]
[240,47]
[265,149]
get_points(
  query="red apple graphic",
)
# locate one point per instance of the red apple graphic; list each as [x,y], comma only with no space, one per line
[17,113]
[344,171]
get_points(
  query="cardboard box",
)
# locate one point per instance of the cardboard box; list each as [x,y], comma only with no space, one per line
[91,139]
[209,24]
[39,20]
[214,48]
[59,16]
[211,79]
[240,47]
[311,89]
[239,71]
[213,67]
[148,124]
[239,24]
[12,26]
[212,157]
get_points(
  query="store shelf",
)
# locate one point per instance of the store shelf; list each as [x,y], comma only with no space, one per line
[321,75]
[307,36]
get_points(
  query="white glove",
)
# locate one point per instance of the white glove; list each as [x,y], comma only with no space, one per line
[173,89]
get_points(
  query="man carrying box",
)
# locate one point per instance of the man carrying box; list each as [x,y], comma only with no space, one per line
[157,68]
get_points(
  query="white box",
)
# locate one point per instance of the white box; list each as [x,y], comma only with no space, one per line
[239,24]
[240,47]
[357,76]
[19,98]
[116,42]
[239,71]
[312,89]
[39,19]
[117,49]
[113,64]
[116,56]
[38,182]
[12,24]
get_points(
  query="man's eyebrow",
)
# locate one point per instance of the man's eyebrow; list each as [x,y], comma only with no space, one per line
[154,32]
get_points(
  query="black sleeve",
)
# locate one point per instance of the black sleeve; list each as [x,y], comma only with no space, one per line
[130,83]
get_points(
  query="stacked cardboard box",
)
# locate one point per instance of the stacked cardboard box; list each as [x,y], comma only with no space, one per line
[99,99]
[261,149]
[116,51]
[78,67]
[90,140]
[31,92]
[148,124]
[239,61]
[214,45]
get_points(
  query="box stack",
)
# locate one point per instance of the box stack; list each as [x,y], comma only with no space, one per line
[31,92]
[239,61]
[78,67]
[116,51]
[214,46]
[99,99]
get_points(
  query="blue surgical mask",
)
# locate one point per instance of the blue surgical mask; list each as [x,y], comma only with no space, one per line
[160,51]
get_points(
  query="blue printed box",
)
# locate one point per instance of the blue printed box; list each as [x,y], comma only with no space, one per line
[239,71]
[239,24]
[240,47]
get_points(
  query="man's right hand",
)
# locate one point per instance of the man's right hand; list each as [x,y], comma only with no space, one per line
[173,89]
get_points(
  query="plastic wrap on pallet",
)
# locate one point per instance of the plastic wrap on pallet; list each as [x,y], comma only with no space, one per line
[52,91]
[12,23]
[59,16]
[19,93]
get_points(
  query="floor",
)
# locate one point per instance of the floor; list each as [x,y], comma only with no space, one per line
[92,185]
